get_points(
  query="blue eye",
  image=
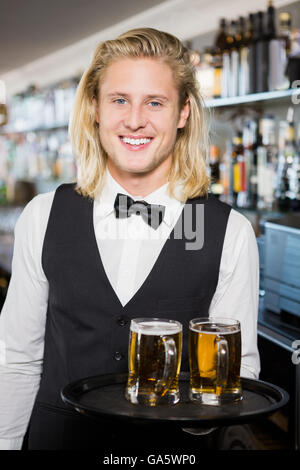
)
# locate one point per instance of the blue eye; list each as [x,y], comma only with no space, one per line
[120,101]
[155,104]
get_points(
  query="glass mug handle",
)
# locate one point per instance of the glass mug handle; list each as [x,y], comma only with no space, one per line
[170,366]
[223,366]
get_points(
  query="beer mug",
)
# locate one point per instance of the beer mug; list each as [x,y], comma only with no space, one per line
[215,360]
[154,359]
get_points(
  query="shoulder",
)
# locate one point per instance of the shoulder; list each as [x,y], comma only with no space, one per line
[30,231]
[239,224]
[240,235]
[36,213]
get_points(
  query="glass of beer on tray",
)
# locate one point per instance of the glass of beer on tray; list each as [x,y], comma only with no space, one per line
[154,359]
[215,360]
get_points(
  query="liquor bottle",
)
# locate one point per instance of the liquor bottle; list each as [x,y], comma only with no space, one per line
[226,174]
[219,49]
[214,164]
[220,41]
[234,43]
[250,137]
[252,39]
[223,45]
[262,55]
[238,170]
[266,163]
[217,67]
[226,56]
[277,79]
[285,23]
[281,188]
[243,58]
[205,74]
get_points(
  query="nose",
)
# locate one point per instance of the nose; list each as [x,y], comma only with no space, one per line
[135,118]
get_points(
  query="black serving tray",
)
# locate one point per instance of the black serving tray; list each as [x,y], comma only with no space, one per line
[103,396]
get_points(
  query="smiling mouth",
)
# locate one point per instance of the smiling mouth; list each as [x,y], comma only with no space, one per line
[135,143]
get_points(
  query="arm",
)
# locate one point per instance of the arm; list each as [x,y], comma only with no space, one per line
[22,325]
[237,292]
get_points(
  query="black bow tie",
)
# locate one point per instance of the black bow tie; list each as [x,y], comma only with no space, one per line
[152,214]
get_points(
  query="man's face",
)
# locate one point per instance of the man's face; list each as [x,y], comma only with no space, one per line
[138,115]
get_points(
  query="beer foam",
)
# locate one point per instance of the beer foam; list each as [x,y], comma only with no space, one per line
[212,329]
[156,327]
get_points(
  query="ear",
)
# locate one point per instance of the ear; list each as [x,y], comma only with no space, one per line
[96,109]
[184,114]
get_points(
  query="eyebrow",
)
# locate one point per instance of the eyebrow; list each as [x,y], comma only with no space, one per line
[120,93]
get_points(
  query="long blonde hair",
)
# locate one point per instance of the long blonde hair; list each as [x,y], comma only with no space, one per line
[191,146]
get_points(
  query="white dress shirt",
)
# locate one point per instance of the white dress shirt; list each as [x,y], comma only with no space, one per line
[128,248]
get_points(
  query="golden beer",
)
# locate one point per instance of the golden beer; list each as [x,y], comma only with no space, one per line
[154,358]
[215,360]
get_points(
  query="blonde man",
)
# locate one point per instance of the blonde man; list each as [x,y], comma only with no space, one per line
[127,239]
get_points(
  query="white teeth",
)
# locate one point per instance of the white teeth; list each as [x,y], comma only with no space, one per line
[135,141]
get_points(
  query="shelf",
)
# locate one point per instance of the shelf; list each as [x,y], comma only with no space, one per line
[253,98]
[8,130]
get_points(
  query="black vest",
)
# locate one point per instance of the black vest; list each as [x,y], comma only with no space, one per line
[87,328]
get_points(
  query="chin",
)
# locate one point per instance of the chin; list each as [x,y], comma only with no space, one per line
[136,168]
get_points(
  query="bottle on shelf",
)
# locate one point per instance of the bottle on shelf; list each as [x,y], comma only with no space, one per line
[225,46]
[233,40]
[250,132]
[262,55]
[226,175]
[239,171]
[252,39]
[220,41]
[244,71]
[277,79]
[281,181]
[285,31]
[295,42]
[217,67]
[205,74]
[214,165]
[222,54]
[266,163]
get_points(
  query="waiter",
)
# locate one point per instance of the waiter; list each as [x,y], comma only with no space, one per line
[118,244]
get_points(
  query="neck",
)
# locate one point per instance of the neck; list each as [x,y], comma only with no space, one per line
[139,184]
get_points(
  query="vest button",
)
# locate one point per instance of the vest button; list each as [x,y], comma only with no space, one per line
[118,356]
[122,321]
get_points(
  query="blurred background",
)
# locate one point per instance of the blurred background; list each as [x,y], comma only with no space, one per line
[247,58]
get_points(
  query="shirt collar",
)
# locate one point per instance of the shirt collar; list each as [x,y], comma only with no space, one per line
[159,196]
